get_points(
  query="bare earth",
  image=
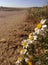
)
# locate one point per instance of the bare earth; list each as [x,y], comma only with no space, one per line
[11,20]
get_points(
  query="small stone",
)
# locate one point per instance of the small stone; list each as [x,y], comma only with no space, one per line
[3,40]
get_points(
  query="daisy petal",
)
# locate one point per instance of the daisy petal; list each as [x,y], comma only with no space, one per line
[30,41]
[35,37]
[43,21]
[44,27]
[23,51]
[37,31]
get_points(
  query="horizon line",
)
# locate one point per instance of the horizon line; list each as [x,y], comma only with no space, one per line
[20,6]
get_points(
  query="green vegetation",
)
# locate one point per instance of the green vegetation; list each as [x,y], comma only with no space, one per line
[40,49]
[38,12]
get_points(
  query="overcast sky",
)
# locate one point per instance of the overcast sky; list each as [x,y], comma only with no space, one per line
[22,3]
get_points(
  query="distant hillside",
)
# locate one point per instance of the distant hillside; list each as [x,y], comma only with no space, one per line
[10,9]
[17,9]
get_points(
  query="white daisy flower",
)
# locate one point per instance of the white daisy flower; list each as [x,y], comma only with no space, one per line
[18,60]
[24,43]
[40,27]
[23,51]
[32,37]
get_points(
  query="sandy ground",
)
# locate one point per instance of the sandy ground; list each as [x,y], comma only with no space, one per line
[11,20]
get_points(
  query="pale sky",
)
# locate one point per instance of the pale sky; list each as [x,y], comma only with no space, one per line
[22,3]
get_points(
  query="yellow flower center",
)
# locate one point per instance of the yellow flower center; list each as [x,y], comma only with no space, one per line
[25,43]
[23,50]
[19,59]
[29,63]
[31,37]
[39,26]
[30,34]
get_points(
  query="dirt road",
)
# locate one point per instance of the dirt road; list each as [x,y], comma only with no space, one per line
[11,20]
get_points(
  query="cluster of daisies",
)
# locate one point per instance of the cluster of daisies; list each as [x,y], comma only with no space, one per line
[40,28]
